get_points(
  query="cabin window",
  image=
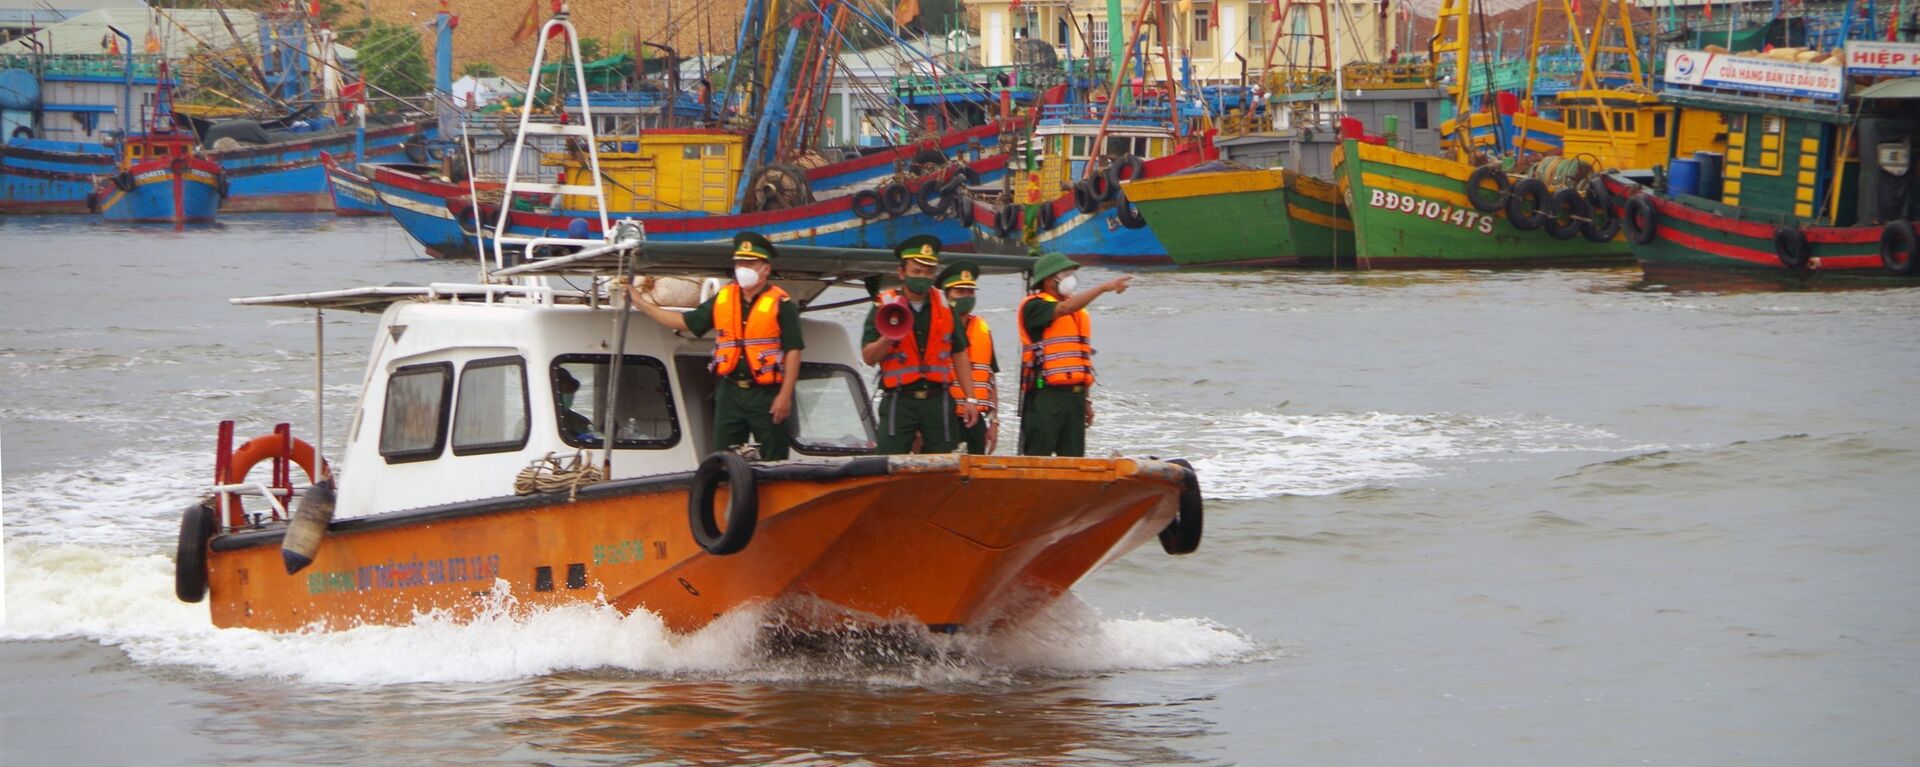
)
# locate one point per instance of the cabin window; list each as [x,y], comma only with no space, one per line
[413,424]
[1122,145]
[490,415]
[1079,147]
[137,150]
[716,150]
[689,153]
[1659,125]
[644,408]
[830,411]
[1420,119]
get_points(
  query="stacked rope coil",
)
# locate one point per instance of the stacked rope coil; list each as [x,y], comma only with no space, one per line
[550,475]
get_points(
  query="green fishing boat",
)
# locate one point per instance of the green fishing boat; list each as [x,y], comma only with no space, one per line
[1223,216]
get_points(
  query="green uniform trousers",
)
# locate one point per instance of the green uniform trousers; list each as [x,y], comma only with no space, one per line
[902,416]
[975,435]
[1054,423]
[739,413]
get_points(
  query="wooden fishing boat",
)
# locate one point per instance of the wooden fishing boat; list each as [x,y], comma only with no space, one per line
[353,194]
[1245,217]
[1819,178]
[163,177]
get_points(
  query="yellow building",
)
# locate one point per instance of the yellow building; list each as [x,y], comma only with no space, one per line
[1243,31]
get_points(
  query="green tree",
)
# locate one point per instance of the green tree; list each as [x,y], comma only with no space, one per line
[479,69]
[393,60]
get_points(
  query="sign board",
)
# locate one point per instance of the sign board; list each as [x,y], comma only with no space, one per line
[1866,57]
[1754,74]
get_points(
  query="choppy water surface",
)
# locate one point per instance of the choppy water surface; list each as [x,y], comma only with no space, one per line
[1488,518]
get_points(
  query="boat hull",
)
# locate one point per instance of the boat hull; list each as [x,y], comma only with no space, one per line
[1699,236]
[51,177]
[1411,211]
[165,191]
[849,176]
[1096,237]
[1267,217]
[289,177]
[951,541]
[353,194]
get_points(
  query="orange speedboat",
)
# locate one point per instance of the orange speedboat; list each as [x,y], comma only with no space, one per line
[521,443]
[450,495]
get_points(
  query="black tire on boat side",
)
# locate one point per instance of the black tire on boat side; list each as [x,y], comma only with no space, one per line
[1596,188]
[1790,246]
[1527,207]
[1127,168]
[1102,190]
[743,505]
[1601,225]
[1083,199]
[1570,204]
[1640,220]
[1477,194]
[1129,216]
[1006,221]
[970,176]
[1047,217]
[416,149]
[866,204]
[190,559]
[1182,535]
[932,198]
[896,199]
[123,181]
[1899,252]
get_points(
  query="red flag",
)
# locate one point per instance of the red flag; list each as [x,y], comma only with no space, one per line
[1013,6]
[354,93]
[1576,12]
[906,12]
[1709,10]
[529,22]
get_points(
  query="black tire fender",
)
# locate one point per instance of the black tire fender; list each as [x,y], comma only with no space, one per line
[1575,208]
[1126,168]
[1083,199]
[1101,189]
[1898,248]
[197,527]
[416,149]
[1047,217]
[866,204]
[1597,194]
[966,175]
[1129,216]
[932,198]
[1527,205]
[1182,535]
[123,181]
[1641,220]
[1476,193]
[93,202]
[1006,221]
[896,199]
[1790,246]
[743,505]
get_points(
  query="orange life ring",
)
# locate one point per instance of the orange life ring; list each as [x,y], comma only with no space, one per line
[265,447]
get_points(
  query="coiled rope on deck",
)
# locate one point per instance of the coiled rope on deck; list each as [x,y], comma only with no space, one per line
[549,475]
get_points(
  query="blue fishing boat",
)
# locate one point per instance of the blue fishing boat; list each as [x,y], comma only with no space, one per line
[162,179]
[352,192]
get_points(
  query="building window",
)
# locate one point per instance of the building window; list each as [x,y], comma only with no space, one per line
[644,409]
[1097,32]
[490,415]
[413,422]
[1063,36]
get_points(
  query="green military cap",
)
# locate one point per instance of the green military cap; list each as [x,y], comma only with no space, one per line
[753,245]
[960,274]
[924,248]
[1048,266]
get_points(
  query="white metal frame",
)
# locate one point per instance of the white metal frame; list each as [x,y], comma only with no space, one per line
[582,129]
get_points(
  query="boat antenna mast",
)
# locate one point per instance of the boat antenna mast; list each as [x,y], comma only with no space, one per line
[561,25]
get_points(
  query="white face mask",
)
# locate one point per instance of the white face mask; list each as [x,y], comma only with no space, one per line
[1067,285]
[747,277]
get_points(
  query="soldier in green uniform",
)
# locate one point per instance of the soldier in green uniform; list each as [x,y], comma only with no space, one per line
[756,354]
[960,282]
[917,367]
[1056,358]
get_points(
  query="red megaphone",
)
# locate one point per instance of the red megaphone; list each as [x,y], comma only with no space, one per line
[893,319]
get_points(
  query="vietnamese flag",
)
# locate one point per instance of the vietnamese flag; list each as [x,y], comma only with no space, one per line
[529,22]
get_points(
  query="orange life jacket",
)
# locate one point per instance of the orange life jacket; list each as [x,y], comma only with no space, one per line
[755,336]
[980,351]
[909,363]
[1063,356]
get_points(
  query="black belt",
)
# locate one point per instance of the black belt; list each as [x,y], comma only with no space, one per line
[915,393]
[1076,389]
[747,383]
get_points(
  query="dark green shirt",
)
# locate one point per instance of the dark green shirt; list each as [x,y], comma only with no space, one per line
[922,325]
[700,320]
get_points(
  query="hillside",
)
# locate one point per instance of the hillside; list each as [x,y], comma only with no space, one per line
[485,32]
[1517,21]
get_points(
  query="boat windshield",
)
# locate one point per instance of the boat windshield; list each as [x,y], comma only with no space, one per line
[645,410]
[831,408]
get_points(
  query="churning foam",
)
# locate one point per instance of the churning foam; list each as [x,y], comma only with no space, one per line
[126,600]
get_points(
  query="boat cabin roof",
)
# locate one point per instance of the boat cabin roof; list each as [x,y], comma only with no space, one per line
[803,271]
